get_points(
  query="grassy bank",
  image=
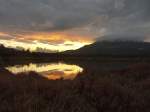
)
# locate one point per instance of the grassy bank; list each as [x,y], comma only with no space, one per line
[124,90]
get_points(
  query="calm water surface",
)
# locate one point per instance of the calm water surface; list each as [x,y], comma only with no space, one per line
[50,71]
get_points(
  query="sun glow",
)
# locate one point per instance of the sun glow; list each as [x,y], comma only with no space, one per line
[54,42]
[57,37]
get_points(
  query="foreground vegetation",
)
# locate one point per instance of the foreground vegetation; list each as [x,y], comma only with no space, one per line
[125,90]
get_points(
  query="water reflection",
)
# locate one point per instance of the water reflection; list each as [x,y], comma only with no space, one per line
[51,71]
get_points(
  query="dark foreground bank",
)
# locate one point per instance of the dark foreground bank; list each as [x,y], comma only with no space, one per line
[126,90]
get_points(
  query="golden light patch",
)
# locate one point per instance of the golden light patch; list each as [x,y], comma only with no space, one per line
[54,42]
[50,71]
[57,37]
[3,34]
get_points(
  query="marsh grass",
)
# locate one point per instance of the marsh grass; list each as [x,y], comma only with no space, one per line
[125,90]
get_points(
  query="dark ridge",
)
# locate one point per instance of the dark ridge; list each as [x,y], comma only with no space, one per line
[114,48]
[97,49]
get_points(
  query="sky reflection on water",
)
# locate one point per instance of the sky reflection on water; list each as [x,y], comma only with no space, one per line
[51,71]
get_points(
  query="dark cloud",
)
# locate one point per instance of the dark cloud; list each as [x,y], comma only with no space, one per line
[96,17]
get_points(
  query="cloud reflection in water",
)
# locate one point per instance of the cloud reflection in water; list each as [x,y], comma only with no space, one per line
[51,71]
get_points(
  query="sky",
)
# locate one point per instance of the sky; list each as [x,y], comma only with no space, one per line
[59,25]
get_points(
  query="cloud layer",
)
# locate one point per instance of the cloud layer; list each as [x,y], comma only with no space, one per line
[91,18]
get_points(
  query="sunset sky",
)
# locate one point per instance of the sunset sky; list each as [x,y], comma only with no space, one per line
[60,25]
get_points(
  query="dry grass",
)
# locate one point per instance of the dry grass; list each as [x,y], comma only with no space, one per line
[124,90]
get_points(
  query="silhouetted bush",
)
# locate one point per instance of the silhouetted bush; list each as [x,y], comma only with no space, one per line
[124,90]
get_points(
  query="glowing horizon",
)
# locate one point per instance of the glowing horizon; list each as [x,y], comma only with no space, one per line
[54,42]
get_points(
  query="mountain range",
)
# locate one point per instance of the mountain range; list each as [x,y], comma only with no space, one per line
[100,48]
[114,48]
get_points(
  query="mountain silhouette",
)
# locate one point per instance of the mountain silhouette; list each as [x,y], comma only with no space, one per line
[100,48]
[114,48]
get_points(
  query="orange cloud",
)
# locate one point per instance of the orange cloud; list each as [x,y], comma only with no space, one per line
[3,34]
[54,41]
[57,37]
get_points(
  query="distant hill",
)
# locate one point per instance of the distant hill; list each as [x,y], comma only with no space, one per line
[97,49]
[11,56]
[11,52]
[113,48]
